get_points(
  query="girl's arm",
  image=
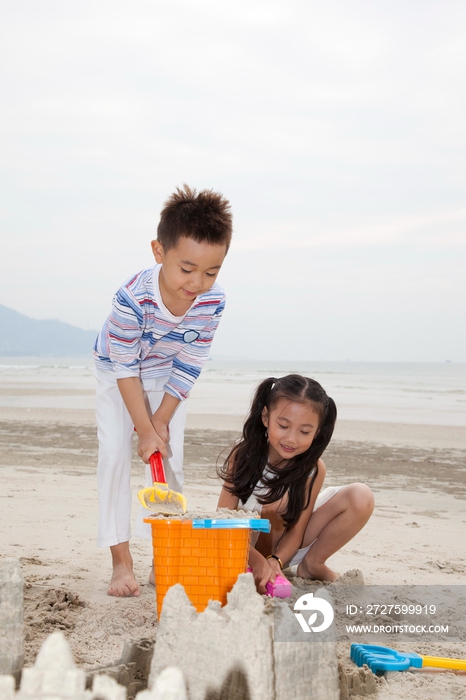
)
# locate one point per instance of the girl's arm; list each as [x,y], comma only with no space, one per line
[227,499]
[262,571]
[293,537]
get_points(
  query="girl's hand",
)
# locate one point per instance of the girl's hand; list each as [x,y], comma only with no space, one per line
[263,573]
[275,566]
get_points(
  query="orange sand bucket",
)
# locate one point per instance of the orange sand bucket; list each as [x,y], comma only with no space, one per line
[205,556]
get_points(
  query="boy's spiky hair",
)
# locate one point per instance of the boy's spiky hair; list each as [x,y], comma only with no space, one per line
[205,217]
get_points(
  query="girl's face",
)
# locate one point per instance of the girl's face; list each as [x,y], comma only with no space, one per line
[292,427]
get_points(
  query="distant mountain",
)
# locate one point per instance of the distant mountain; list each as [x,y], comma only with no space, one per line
[24,336]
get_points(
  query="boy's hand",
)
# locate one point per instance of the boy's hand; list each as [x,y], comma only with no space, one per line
[163,415]
[160,427]
[148,443]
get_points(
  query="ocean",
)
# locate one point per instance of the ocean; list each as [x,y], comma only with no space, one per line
[420,393]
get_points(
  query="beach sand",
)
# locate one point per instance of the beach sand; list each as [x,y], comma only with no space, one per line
[48,519]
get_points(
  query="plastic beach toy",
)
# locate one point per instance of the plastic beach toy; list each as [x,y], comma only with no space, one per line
[380,659]
[280,588]
[256,524]
[159,498]
[205,556]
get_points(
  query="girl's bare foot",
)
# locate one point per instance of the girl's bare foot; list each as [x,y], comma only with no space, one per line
[318,572]
[152,576]
[122,583]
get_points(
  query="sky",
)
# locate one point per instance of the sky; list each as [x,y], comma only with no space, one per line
[336,130]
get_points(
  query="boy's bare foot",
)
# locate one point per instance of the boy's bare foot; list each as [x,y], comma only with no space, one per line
[152,576]
[122,583]
[319,572]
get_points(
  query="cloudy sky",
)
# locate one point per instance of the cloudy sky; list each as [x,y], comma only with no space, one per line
[336,130]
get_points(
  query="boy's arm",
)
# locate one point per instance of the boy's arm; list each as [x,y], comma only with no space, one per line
[164,414]
[149,441]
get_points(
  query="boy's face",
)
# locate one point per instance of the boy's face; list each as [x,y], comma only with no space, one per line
[188,270]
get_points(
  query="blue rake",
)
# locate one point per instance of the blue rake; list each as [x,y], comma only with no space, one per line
[380,659]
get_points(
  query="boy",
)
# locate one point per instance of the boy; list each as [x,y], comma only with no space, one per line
[148,355]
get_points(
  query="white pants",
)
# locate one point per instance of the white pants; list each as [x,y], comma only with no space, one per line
[115,431]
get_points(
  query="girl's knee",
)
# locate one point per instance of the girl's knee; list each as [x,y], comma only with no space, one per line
[361,498]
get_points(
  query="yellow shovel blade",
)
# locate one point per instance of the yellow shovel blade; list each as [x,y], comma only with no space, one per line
[160,499]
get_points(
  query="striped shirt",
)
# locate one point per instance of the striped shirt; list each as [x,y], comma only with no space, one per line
[142,338]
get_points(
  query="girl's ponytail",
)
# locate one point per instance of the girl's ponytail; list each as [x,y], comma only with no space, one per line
[254,426]
[323,437]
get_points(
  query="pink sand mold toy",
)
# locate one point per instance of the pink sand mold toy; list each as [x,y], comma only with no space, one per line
[280,588]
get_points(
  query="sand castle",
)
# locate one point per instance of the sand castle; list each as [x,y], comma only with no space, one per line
[223,652]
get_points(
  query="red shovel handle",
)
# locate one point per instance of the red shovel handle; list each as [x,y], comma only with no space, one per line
[156,468]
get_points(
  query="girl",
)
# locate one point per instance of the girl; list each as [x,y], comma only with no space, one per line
[276,469]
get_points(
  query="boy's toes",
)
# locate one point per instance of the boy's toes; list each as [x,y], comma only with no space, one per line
[124,591]
[123,586]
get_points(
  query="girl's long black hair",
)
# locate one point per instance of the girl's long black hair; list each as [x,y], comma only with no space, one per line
[244,466]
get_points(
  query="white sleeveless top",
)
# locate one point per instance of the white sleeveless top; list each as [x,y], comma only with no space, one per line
[260,489]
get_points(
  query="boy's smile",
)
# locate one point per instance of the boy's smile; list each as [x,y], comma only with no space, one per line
[188,270]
